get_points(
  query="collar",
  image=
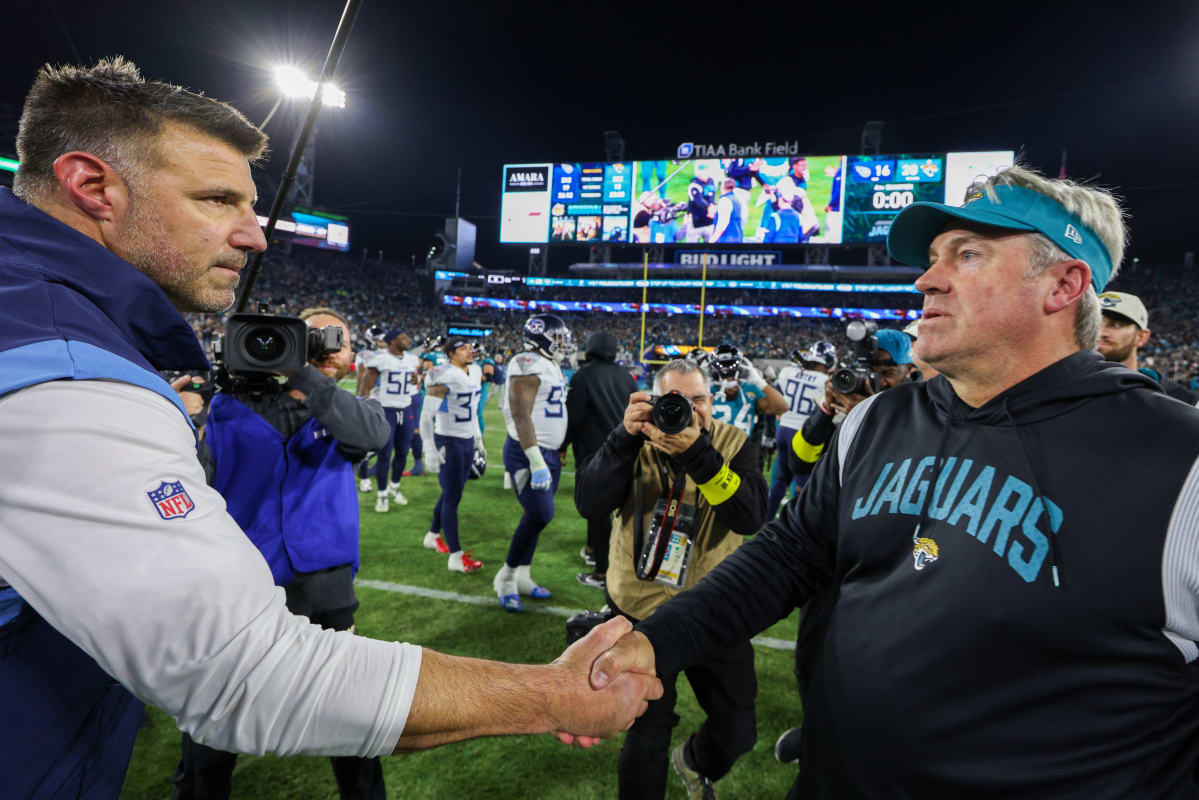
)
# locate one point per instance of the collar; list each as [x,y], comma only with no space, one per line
[139,309]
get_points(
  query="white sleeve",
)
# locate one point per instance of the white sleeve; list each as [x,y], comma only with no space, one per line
[1180,569]
[180,609]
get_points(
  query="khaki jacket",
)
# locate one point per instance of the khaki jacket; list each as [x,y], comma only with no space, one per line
[712,541]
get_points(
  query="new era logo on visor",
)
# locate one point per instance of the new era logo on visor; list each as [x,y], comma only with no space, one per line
[1073,235]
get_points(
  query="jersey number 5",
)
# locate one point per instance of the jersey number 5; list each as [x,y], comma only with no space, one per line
[553,402]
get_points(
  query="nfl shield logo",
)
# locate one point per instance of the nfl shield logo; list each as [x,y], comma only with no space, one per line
[171,500]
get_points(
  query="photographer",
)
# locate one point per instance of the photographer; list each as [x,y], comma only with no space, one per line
[714,468]
[891,364]
[283,460]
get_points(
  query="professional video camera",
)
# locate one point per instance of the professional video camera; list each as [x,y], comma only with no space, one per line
[671,413]
[856,379]
[269,344]
[670,211]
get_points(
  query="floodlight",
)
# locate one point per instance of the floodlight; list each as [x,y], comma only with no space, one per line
[293,83]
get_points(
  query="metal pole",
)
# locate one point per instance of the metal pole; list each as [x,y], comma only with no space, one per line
[458,195]
[644,289]
[297,151]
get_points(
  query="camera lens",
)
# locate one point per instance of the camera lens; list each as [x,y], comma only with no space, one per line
[846,381]
[265,344]
[671,413]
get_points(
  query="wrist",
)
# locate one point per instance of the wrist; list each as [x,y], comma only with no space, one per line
[536,459]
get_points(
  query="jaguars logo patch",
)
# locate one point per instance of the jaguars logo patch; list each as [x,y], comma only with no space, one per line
[924,550]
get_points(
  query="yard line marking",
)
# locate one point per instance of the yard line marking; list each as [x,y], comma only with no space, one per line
[556,611]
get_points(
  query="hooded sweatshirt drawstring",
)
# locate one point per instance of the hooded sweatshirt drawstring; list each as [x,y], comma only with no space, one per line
[1036,484]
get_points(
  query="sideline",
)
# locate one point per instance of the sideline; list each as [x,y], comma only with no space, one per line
[490,602]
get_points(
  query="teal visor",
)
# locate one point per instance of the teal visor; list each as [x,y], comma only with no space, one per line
[1015,209]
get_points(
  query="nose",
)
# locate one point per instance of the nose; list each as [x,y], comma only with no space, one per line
[933,280]
[247,236]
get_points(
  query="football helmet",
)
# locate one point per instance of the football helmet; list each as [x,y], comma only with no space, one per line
[821,352]
[549,336]
[700,356]
[725,363]
[478,465]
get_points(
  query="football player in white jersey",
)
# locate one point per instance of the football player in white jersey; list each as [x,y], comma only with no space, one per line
[374,343]
[449,422]
[535,415]
[392,379]
[802,384]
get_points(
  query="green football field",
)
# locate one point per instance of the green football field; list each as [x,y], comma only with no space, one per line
[395,568]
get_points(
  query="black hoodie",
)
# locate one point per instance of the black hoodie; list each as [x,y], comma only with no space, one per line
[598,396]
[1029,633]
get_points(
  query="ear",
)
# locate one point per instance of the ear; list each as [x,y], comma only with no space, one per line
[91,185]
[1070,281]
[1142,337]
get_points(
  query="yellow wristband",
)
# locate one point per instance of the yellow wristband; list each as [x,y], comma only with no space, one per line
[722,486]
[808,453]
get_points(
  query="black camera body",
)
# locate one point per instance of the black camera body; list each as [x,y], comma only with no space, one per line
[671,413]
[856,379]
[670,211]
[267,343]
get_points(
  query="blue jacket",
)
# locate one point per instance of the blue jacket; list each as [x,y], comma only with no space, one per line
[71,310]
[295,497]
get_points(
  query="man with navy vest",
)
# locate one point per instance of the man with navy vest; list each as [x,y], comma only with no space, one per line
[283,460]
[730,215]
[123,579]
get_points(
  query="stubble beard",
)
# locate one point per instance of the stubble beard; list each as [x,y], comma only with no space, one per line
[149,247]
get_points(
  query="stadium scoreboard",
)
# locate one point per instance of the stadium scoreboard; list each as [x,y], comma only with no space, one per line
[840,199]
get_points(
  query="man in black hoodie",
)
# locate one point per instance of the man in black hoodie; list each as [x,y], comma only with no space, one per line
[1005,622]
[595,404]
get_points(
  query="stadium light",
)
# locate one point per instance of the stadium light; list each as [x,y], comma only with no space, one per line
[294,83]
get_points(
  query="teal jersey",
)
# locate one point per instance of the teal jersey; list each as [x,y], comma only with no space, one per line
[740,411]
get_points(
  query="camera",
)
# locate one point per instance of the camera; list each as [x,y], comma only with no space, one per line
[271,343]
[856,379]
[671,413]
[670,211]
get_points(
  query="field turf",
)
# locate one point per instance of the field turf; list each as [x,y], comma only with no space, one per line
[510,767]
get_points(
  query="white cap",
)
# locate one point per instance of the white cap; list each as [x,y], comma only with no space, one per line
[1126,305]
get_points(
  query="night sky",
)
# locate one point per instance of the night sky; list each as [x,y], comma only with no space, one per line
[436,85]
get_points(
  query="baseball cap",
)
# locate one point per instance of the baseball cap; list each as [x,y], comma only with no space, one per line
[897,344]
[391,334]
[1126,305]
[1014,208]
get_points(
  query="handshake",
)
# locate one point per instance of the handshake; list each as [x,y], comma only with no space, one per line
[608,680]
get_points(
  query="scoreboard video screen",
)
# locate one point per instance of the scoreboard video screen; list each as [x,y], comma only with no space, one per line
[785,200]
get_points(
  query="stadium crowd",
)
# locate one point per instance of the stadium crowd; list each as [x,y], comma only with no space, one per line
[388,293]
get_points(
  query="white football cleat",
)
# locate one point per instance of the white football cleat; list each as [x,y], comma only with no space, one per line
[381,503]
[393,489]
[364,485]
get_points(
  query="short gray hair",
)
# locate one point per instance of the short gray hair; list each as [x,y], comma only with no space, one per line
[110,111]
[1096,207]
[680,365]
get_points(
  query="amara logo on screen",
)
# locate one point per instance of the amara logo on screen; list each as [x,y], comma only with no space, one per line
[525,179]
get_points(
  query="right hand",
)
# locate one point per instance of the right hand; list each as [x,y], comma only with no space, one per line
[637,413]
[632,653]
[843,403]
[588,712]
[434,458]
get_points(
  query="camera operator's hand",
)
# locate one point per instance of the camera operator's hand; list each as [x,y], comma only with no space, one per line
[637,413]
[672,443]
[843,403]
[193,402]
